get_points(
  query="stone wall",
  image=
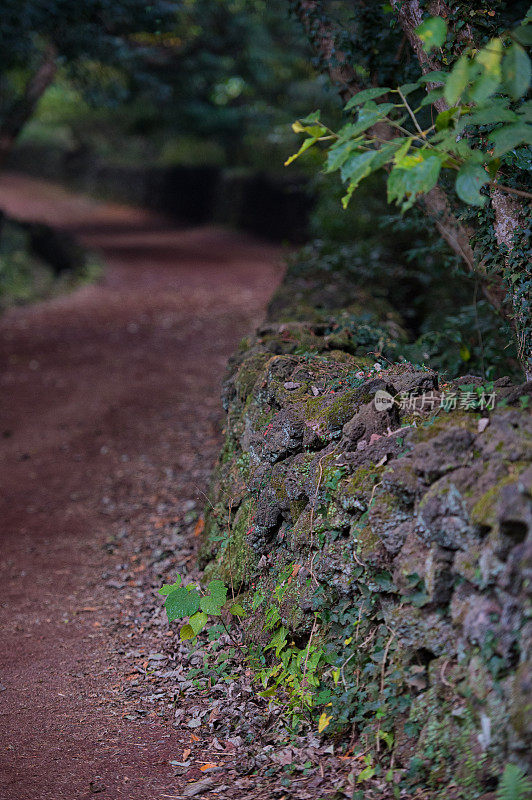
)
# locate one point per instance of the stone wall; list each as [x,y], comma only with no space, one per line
[406,531]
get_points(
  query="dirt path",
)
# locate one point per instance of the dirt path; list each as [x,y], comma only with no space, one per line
[109,422]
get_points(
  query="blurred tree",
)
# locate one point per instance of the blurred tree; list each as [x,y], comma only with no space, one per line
[37,37]
[226,71]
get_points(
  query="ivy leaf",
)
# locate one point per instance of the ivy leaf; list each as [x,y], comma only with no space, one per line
[432,33]
[489,61]
[510,136]
[457,80]
[218,590]
[413,175]
[182,603]
[365,95]
[516,71]
[469,181]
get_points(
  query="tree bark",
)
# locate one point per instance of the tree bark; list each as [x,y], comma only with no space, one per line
[22,110]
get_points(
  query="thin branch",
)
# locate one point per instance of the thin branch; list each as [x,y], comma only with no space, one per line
[412,115]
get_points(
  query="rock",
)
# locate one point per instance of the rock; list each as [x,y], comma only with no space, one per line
[416,540]
[442,516]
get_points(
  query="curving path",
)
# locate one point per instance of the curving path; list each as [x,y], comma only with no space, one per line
[106,394]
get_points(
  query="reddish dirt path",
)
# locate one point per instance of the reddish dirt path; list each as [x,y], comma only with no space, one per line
[105,393]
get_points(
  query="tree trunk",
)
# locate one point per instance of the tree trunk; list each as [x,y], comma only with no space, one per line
[22,110]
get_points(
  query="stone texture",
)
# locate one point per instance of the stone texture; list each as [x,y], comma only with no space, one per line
[351,494]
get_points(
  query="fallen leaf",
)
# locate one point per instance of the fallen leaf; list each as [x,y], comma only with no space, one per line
[198,787]
[323,722]
[200,524]
[207,766]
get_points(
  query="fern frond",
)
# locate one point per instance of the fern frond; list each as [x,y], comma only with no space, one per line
[514,784]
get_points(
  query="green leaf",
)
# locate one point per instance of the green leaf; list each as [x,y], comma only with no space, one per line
[523,35]
[357,167]
[432,33]
[493,167]
[278,641]
[525,111]
[210,605]
[337,154]
[413,175]
[489,62]
[495,111]
[186,632]
[182,603]
[432,96]
[469,181]
[435,76]
[237,610]
[366,774]
[198,621]
[218,590]
[516,71]
[514,784]
[510,136]
[369,114]
[402,150]
[457,80]
[311,118]
[445,117]
[408,88]
[169,587]
[305,146]
[365,95]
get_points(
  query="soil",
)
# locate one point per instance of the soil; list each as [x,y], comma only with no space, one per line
[109,423]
